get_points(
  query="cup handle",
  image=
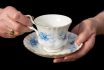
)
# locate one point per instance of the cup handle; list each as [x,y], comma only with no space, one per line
[31,27]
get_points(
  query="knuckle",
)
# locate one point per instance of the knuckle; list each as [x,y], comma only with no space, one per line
[12,12]
[9,7]
[16,16]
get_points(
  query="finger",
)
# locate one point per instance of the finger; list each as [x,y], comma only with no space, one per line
[10,11]
[5,31]
[17,26]
[22,19]
[16,15]
[3,28]
[24,27]
[7,35]
[84,50]
[57,60]
[82,37]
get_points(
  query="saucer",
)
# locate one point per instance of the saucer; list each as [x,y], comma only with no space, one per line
[31,43]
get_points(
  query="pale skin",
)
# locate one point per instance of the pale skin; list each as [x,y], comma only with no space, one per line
[86,30]
[12,19]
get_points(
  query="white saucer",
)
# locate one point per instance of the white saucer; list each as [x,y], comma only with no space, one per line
[31,43]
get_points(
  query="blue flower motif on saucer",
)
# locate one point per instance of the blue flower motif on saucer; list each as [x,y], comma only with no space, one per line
[44,36]
[33,41]
[32,44]
[62,36]
[71,39]
[72,48]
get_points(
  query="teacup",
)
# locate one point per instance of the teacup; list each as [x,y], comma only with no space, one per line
[52,31]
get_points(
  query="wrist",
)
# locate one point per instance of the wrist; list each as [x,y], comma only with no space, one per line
[99,22]
[96,25]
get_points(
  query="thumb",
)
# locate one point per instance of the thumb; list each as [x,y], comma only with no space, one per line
[82,37]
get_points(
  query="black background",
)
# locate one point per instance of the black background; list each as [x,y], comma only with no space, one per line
[13,52]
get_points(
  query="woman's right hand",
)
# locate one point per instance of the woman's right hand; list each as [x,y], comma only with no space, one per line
[13,22]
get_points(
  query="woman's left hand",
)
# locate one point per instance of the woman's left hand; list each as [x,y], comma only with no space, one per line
[86,31]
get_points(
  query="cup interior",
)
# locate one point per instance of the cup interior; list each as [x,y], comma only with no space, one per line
[53,20]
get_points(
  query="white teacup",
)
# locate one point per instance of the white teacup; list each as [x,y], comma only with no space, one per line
[52,31]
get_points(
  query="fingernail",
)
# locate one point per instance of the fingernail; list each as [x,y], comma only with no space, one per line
[54,61]
[81,44]
[78,43]
[65,58]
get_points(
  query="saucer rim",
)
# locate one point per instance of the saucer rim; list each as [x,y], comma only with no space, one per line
[43,55]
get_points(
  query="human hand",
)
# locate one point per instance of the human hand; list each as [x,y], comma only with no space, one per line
[13,22]
[86,31]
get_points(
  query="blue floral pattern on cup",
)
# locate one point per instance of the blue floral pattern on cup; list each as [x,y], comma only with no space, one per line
[44,36]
